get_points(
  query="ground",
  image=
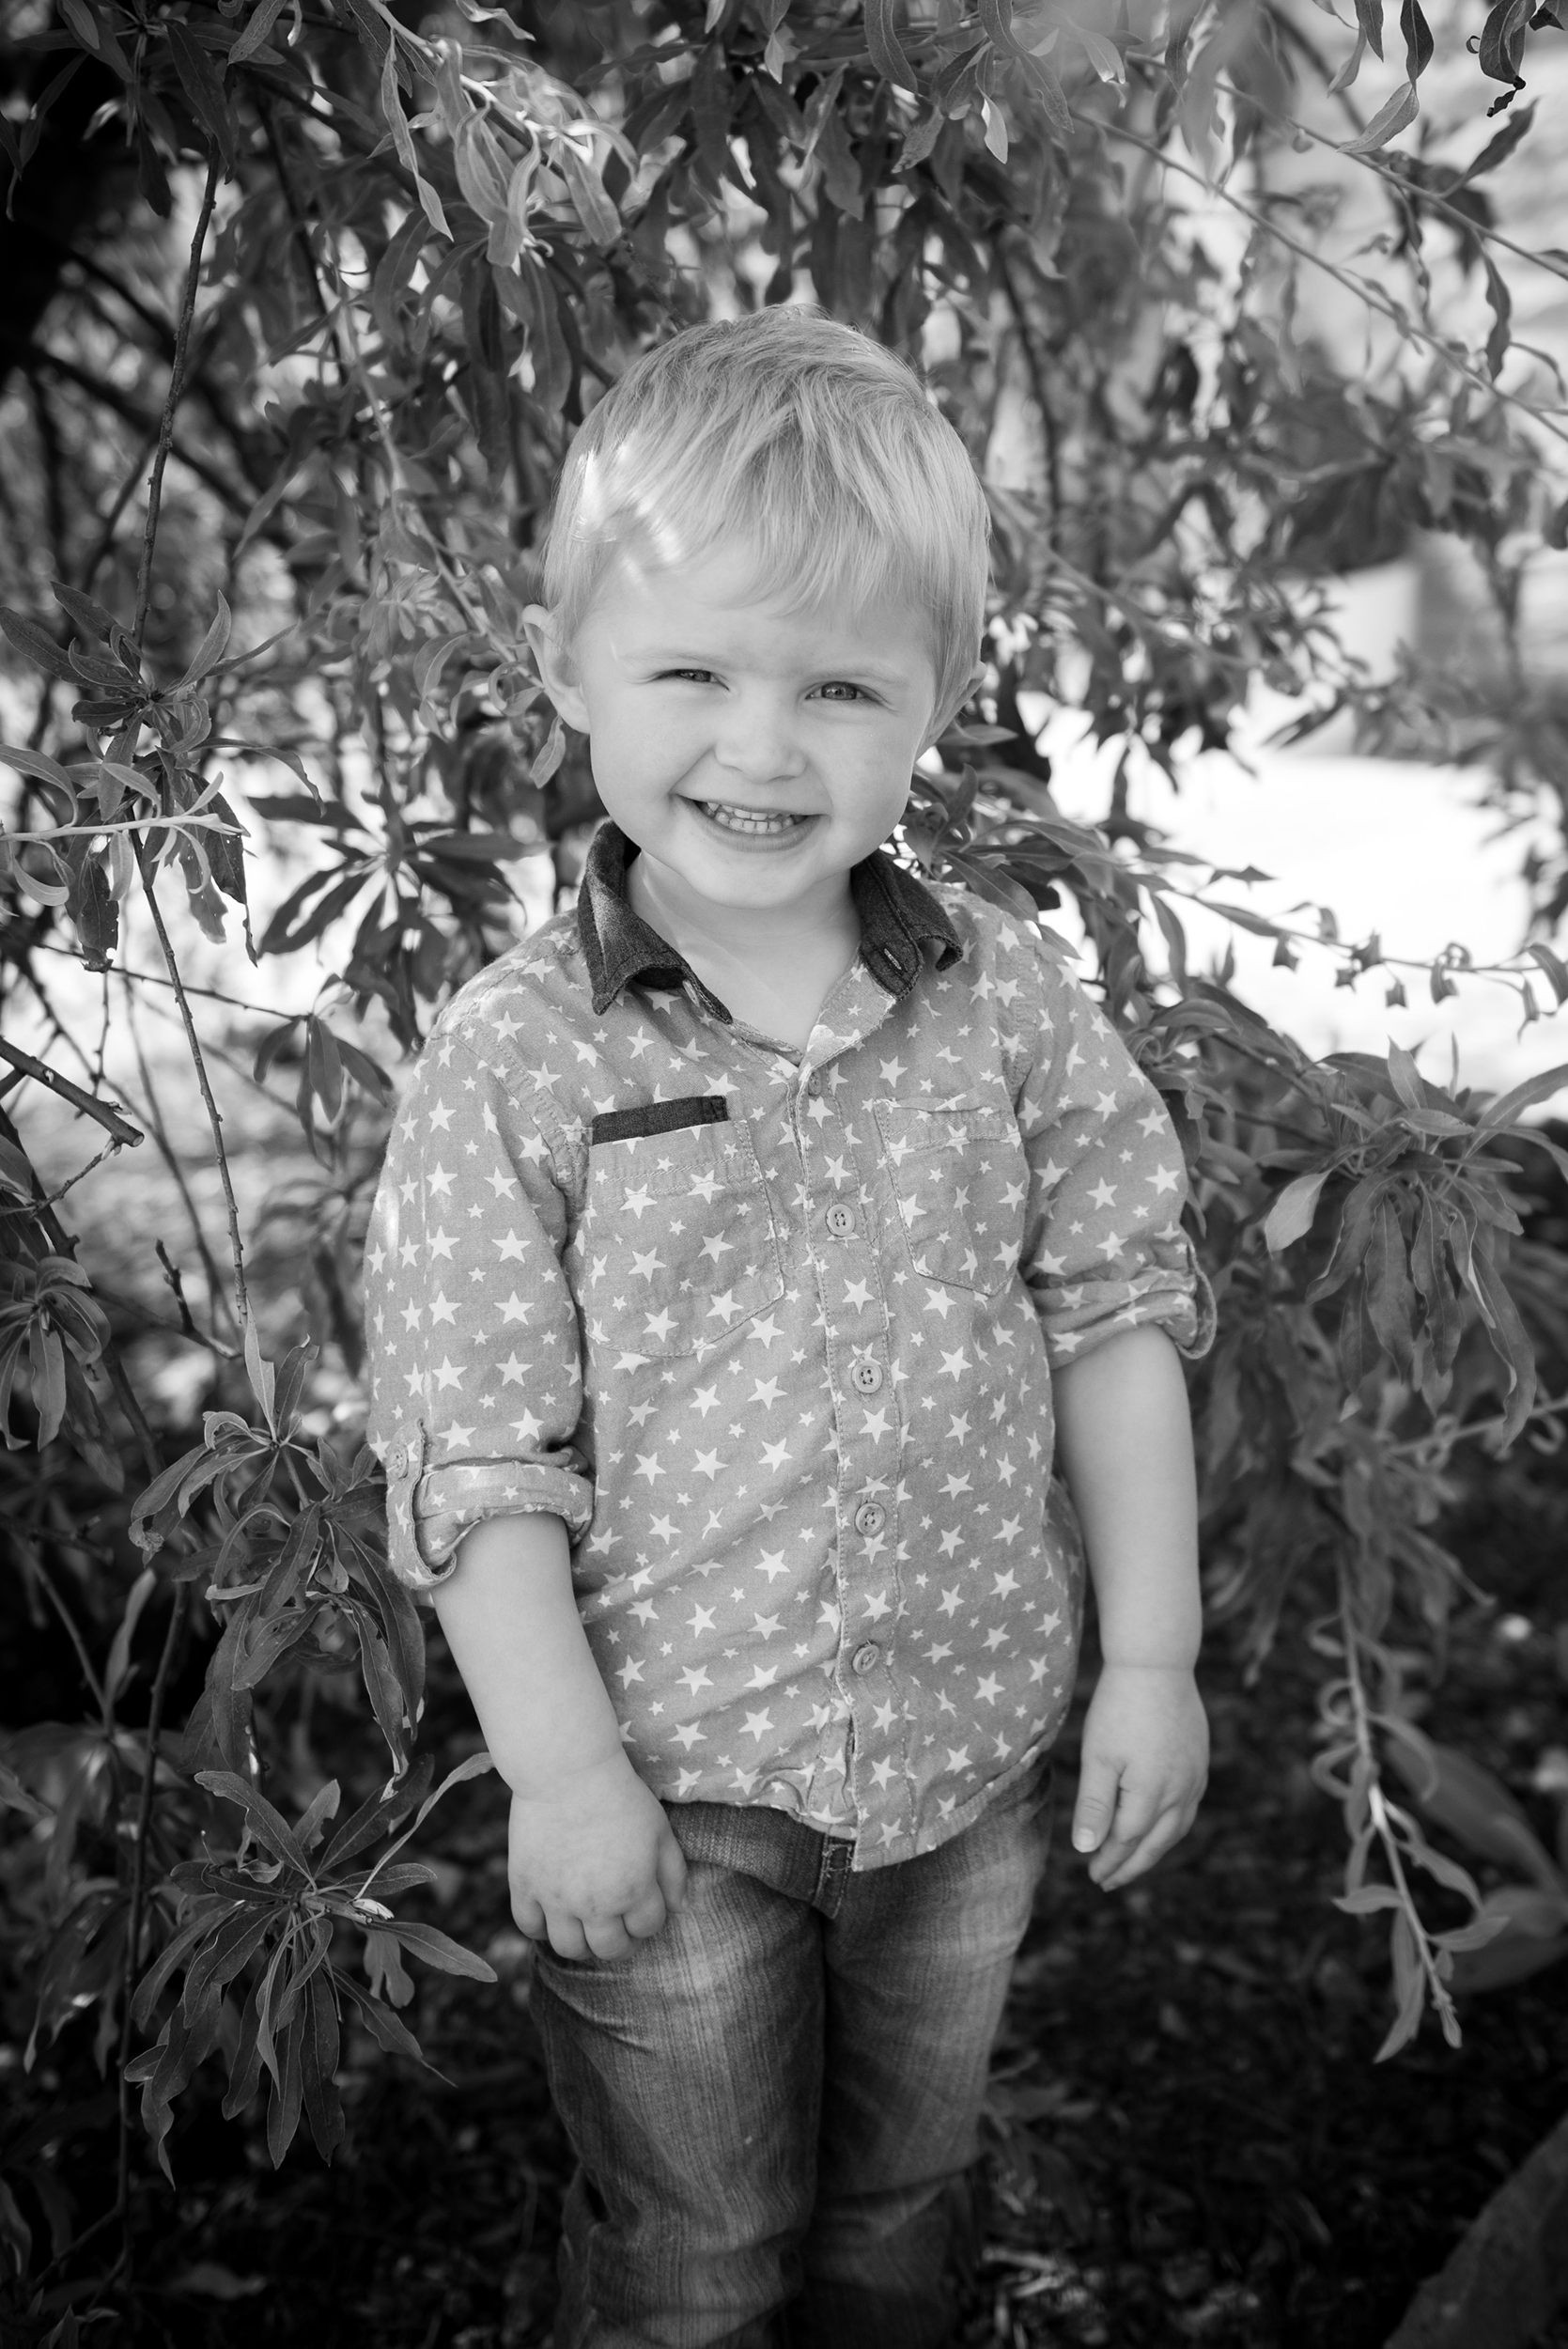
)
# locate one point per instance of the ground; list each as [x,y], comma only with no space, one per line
[1187,2139]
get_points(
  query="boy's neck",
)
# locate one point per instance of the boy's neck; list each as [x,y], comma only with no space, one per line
[772,968]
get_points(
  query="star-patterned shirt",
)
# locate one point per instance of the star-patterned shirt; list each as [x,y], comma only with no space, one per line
[773,1332]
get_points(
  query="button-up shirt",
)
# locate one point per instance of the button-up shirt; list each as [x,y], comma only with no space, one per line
[773,1332]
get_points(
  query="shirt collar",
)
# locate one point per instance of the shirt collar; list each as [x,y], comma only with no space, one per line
[897,914]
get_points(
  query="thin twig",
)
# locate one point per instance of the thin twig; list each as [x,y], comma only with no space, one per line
[1443,1439]
[157,978]
[52,1198]
[215,1294]
[103,1113]
[137,1309]
[1383,303]
[181,1594]
[109,396]
[176,385]
[139,1898]
[94,1685]
[190,820]
[1501,974]
[214,1116]
[1409,191]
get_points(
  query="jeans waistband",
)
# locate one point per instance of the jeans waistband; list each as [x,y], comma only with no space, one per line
[757,1841]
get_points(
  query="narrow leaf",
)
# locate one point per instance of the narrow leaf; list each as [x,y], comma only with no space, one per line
[41,650]
[886,51]
[213,645]
[1291,1216]
[1396,115]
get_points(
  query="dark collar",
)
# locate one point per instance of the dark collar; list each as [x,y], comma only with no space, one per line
[897,915]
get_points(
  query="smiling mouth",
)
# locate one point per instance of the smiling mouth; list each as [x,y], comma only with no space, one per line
[755,823]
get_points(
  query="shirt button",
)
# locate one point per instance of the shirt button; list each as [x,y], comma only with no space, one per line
[840,1221]
[813,1086]
[870,1517]
[865,1377]
[397,1460]
[865,1659]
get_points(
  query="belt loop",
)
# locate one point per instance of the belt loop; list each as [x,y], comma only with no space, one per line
[838,1850]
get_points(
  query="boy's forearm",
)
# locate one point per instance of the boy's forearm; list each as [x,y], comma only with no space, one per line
[1123,1442]
[511,1622]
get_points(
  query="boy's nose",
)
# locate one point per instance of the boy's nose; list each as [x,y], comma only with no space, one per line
[757,740]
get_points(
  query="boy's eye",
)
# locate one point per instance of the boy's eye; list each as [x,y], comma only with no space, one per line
[705,677]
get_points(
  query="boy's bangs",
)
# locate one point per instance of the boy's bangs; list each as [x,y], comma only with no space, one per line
[817,540]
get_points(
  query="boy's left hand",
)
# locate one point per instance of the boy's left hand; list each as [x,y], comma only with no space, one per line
[1144,1768]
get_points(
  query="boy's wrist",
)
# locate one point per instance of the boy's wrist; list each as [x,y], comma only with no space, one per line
[1183,1663]
[536,1777]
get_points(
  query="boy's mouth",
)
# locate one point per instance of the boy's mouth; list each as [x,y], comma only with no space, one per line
[750,822]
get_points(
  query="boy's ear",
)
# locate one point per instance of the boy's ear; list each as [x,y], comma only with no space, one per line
[555,667]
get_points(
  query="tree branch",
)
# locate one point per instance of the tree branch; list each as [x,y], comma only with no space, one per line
[105,1113]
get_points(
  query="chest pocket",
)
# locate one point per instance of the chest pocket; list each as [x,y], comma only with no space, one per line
[961,1181]
[676,1245]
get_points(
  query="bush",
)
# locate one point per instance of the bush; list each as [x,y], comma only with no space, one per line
[363,286]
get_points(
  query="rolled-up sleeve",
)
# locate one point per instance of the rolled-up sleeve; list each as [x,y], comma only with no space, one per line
[1103,1247]
[472,1330]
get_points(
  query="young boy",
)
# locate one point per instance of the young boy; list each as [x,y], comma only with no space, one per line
[753,1243]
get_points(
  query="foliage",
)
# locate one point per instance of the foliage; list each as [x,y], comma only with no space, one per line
[394,268]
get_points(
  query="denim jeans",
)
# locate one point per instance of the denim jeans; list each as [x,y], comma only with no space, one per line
[774,2103]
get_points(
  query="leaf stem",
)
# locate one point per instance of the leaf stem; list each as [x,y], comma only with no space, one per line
[214,1116]
[138,1903]
[1378,1811]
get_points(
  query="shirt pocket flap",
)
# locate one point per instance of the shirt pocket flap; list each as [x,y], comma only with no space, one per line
[677,1243]
[961,1181]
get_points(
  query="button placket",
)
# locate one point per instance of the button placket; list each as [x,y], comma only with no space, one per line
[829,1125]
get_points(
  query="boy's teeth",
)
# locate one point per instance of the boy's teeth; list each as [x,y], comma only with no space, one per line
[747,820]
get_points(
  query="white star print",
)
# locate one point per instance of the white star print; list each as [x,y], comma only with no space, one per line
[644,1271]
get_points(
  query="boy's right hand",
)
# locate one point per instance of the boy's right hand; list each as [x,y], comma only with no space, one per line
[593,1864]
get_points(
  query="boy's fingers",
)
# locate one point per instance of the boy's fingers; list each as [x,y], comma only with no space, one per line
[1137,1810]
[1095,1806]
[608,1938]
[528,1916]
[567,1938]
[644,1917]
[670,1868]
[1133,1855]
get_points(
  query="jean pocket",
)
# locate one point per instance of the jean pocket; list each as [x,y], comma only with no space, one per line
[677,1246]
[961,1180]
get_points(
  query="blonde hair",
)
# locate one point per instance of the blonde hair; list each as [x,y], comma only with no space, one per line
[802,436]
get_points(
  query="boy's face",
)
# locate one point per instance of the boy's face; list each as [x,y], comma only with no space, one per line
[754,755]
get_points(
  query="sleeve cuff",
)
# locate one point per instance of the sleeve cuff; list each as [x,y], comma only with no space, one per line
[429,1510]
[1180,1302]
